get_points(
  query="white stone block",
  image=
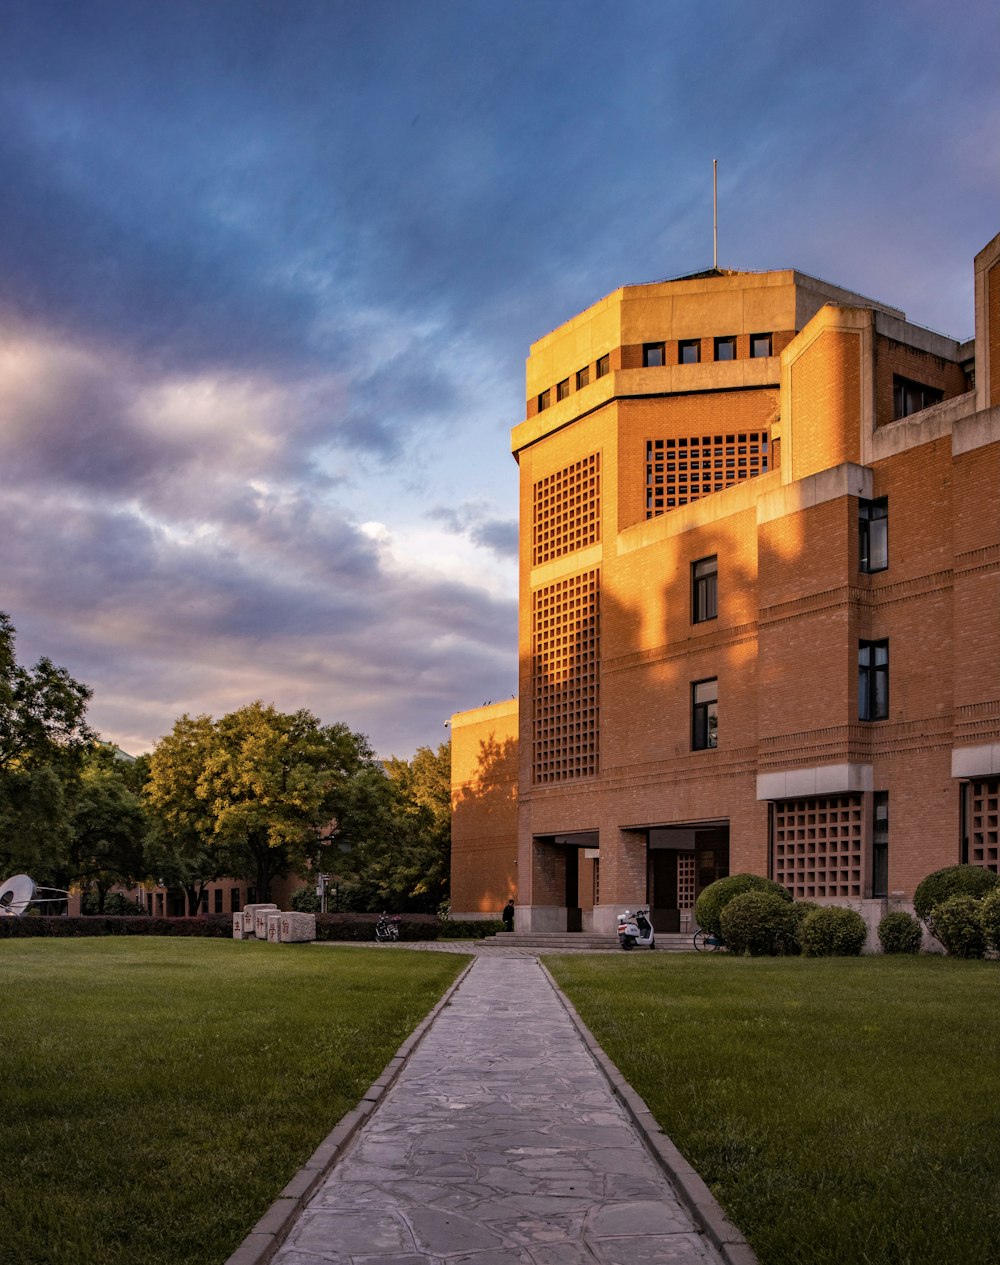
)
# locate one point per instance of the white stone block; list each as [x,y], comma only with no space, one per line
[261,914]
[297,928]
[238,927]
[273,933]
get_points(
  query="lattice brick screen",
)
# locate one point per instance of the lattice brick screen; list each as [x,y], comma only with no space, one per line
[984,798]
[818,846]
[565,650]
[682,470]
[685,880]
[566,510]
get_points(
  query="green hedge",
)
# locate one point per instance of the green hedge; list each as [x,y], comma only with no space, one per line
[218,926]
[716,896]
[469,929]
[832,931]
[953,880]
[957,925]
[899,932]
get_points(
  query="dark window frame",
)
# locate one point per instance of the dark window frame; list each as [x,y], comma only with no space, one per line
[705,589]
[562,390]
[726,340]
[873,680]
[689,344]
[603,366]
[583,377]
[544,399]
[705,715]
[654,355]
[756,339]
[909,397]
[873,535]
[880,845]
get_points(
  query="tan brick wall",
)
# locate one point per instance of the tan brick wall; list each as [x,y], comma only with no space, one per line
[893,358]
[826,402]
[484,809]
[792,603]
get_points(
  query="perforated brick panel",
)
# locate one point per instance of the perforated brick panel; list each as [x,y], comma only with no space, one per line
[679,471]
[565,656]
[984,798]
[685,880]
[566,510]
[818,846]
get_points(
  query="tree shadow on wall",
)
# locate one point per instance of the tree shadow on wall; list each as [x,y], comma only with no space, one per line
[484,829]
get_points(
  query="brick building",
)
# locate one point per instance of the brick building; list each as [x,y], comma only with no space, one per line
[759,607]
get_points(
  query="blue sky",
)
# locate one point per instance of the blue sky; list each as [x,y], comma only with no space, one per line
[269,272]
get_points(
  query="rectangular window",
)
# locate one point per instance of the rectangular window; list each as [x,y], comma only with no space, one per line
[704,589]
[653,354]
[562,390]
[873,680]
[725,348]
[873,534]
[704,714]
[234,900]
[218,900]
[582,378]
[544,400]
[880,845]
[203,903]
[911,397]
[603,366]
[760,346]
[689,351]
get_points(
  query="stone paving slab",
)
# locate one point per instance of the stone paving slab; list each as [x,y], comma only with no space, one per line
[500,1143]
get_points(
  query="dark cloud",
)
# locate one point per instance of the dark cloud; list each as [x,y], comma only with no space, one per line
[269,272]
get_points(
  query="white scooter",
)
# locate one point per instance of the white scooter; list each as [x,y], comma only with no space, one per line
[635,930]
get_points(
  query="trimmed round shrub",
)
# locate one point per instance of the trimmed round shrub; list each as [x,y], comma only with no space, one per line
[956,924]
[716,896]
[953,880]
[759,923]
[989,918]
[833,932]
[899,932]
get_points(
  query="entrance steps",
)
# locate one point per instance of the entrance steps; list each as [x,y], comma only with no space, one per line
[559,941]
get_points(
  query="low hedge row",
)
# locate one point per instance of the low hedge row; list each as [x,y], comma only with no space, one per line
[353,927]
[219,926]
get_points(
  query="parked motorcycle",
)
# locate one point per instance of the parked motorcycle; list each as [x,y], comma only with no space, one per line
[387,929]
[635,930]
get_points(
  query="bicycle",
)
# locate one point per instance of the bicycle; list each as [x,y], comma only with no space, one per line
[706,942]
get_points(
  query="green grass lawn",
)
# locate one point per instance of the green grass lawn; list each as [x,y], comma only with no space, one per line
[843,1111]
[158,1094]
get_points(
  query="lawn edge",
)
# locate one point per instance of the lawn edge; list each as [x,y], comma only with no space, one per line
[273,1227]
[694,1193]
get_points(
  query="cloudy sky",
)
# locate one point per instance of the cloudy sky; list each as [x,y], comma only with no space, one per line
[269,271]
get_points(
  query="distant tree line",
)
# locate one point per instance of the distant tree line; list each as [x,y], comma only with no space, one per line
[257,794]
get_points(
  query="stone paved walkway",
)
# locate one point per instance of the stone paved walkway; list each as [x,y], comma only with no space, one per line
[499,1144]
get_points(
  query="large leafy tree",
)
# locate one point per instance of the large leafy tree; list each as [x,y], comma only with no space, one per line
[44,738]
[403,862]
[258,792]
[107,825]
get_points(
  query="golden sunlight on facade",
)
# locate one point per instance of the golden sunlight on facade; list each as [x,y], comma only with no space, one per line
[759,608]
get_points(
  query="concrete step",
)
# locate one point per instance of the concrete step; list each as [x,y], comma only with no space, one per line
[554,941]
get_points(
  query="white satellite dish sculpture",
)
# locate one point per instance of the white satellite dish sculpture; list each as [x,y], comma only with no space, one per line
[20,891]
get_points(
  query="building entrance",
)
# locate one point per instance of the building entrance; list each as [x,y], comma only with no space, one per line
[681,862]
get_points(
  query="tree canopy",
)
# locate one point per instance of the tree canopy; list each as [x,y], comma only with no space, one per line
[43,740]
[258,792]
